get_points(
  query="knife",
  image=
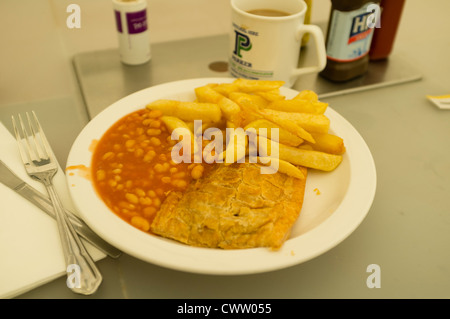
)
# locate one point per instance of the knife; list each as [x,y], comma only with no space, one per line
[42,201]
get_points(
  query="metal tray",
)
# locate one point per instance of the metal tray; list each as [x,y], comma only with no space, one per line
[103,79]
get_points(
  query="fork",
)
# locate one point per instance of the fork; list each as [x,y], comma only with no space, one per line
[83,276]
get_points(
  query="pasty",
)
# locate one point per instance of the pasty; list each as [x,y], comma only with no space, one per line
[233,207]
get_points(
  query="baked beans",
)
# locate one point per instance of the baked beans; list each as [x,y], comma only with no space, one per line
[133,170]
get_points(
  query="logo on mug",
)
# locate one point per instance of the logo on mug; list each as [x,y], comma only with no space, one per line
[242,42]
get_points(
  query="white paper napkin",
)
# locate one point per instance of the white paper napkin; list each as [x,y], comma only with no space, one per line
[30,248]
[441,101]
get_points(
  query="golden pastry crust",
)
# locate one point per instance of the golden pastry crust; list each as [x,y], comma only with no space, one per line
[234,207]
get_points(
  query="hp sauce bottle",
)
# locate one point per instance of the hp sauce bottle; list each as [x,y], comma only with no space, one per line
[349,36]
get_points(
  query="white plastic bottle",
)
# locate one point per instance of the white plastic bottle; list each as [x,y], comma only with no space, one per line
[132,31]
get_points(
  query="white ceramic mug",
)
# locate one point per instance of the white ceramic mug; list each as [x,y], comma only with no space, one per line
[268,48]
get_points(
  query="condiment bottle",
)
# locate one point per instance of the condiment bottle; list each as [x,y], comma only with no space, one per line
[384,37]
[349,38]
[132,31]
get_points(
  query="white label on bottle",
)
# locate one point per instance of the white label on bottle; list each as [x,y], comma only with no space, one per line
[350,34]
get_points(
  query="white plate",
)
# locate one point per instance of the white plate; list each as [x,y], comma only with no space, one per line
[326,219]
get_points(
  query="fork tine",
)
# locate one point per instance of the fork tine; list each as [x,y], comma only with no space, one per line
[41,148]
[29,146]
[45,142]
[25,149]
[23,154]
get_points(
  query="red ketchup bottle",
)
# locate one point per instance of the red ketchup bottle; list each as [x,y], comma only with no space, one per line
[384,37]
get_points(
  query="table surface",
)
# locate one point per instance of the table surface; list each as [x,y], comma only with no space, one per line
[406,232]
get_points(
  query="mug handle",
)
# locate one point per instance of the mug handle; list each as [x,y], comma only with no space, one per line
[317,34]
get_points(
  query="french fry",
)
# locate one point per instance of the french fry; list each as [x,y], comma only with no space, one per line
[249,86]
[298,106]
[306,146]
[207,94]
[258,101]
[283,167]
[248,108]
[287,123]
[173,123]
[313,159]
[271,96]
[317,123]
[328,143]
[313,123]
[188,111]
[225,88]
[200,129]
[301,157]
[266,147]
[237,147]
[284,136]
[168,107]
[190,126]
[307,95]
[231,124]
[230,110]
[251,112]
[213,145]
